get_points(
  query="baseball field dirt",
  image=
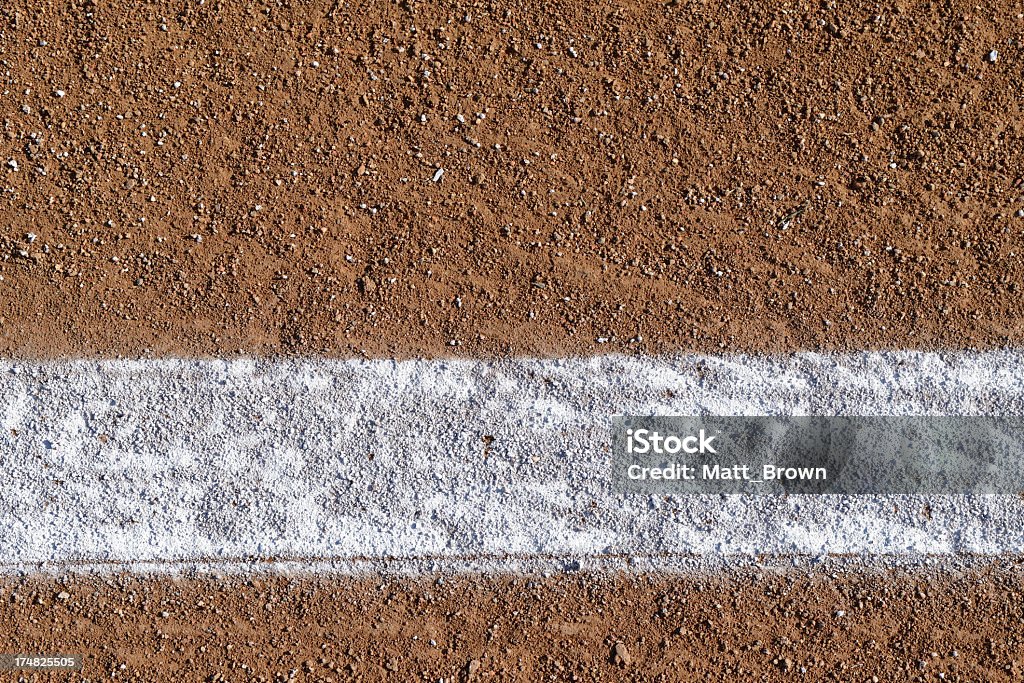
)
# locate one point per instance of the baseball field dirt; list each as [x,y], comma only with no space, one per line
[224,228]
[404,178]
[768,625]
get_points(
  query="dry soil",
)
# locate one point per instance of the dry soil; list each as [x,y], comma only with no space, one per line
[765,625]
[199,179]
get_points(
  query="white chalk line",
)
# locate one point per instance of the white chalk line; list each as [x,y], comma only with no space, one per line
[146,463]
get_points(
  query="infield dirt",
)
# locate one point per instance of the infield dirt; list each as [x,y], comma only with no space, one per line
[647,177]
[765,625]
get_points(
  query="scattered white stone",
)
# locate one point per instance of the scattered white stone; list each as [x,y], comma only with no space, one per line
[437,175]
[31,237]
[12,164]
[1020,213]
[177,84]
[59,93]
[993,56]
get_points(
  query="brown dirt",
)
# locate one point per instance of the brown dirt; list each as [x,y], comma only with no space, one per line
[282,156]
[753,626]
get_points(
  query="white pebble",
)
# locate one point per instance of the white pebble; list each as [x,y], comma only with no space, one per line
[993,56]
[437,175]
[12,164]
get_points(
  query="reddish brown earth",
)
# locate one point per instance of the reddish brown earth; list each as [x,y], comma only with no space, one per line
[622,171]
[760,625]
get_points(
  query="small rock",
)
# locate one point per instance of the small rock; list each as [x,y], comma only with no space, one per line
[787,664]
[472,667]
[59,93]
[1020,213]
[367,285]
[12,164]
[63,596]
[993,56]
[437,175]
[620,655]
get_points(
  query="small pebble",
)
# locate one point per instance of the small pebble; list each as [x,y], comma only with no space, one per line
[993,56]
